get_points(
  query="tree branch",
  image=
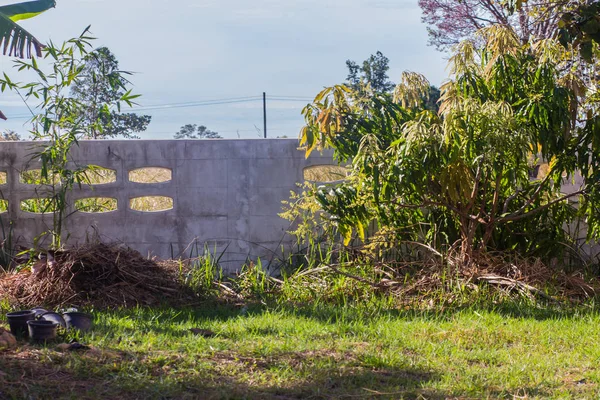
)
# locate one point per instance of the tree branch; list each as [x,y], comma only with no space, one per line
[515,217]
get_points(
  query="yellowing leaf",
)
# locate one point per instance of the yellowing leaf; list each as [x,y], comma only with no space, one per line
[347,236]
[361,230]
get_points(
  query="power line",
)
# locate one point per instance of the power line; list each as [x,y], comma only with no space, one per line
[291,97]
[210,101]
[203,103]
[217,102]
[198,104]
[293,100]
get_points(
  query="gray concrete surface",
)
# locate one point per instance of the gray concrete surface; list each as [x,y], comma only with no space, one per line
[226,194]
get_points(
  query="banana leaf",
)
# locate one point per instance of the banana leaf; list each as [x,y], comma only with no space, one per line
[14,40]
[29,9]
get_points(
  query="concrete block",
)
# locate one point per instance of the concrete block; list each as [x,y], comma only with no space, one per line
[268,229]
[283,148]
[258,229]
[267,201]
[206,149]
[260,148]
[242,181]
[199,202]
[203,229]
[145,228]
[8,155]
[143,151]
[247,149]
[281,172]
[203,173]
[79,222]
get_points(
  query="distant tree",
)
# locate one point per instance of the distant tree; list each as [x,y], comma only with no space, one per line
[96,90]
[373,71]
[9,136]
[431,102]
[193,131]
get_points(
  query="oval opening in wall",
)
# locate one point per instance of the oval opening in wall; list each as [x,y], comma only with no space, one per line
[151,203]
[3,178]
[150,175]
[325,173]
[100,175]
[38,206]
[3,206]
[96,205]
[34,177]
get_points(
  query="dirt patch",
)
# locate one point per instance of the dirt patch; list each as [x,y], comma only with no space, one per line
[24,371]
[295,360]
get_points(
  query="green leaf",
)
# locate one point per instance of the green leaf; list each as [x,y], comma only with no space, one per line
[586,49]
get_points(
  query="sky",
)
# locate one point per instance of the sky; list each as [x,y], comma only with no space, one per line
[211,51]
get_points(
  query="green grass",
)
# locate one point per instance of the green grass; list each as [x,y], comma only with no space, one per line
[319,352]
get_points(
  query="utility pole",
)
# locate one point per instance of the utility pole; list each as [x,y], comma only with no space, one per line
[265,113]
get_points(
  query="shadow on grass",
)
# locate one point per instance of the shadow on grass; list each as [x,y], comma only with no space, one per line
[41,374]
[37,372]
[111,374]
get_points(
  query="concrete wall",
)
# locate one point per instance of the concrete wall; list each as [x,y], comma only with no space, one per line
[227,193]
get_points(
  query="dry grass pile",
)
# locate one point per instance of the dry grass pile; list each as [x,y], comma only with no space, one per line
[98,275]
[532,277]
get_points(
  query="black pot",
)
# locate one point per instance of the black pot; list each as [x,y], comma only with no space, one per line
[18,322]
[78,320]
[42,331]
[39,311]
[54,317]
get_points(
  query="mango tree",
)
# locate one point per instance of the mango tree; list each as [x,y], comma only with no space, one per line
[463,177]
